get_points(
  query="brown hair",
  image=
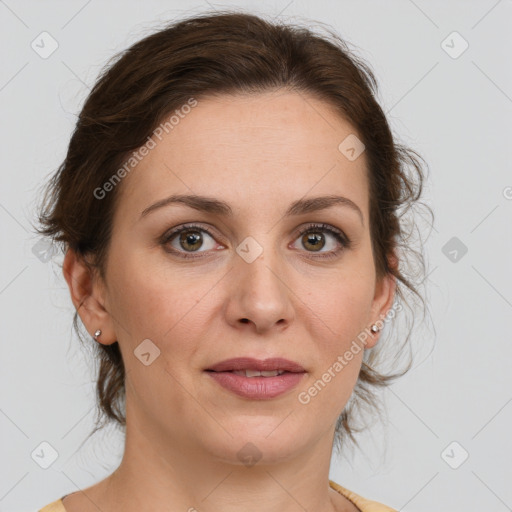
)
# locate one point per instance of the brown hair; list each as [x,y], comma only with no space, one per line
[221,53]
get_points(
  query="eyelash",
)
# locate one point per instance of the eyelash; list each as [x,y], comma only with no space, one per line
[343,240]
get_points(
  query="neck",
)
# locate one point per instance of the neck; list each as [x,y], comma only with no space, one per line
[167,475]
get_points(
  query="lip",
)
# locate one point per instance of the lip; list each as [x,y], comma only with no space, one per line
[257,388]
[249,363]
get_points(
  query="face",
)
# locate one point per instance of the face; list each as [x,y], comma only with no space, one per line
[252,278]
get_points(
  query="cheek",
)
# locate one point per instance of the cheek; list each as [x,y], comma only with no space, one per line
[149,301]
[151,304]
[340,351]
[341,307]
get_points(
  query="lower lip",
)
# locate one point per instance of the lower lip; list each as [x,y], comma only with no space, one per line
[257,388]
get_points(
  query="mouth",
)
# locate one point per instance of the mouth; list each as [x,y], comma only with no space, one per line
[257,379]
[253,373]
[263,367]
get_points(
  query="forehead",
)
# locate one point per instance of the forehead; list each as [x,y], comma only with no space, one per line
[281,145]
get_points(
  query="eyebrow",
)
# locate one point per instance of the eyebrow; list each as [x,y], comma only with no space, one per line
[215,206]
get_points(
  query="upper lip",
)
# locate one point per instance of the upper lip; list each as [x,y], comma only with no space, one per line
[249,363]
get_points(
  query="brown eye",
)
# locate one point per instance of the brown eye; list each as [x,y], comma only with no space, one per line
[190,240]
[313,240]
[317,237]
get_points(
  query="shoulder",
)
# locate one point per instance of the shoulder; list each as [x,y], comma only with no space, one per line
[55,506]
[361,503]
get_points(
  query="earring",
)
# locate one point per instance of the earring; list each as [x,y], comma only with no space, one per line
[96,334]
[374,328]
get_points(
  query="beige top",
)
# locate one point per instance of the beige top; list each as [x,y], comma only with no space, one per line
[361,503]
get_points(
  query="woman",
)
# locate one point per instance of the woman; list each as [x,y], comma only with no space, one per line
[229,209]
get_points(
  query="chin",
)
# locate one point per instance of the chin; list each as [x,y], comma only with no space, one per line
[269,442]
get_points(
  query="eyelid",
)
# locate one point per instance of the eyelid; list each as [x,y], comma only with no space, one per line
[186,227]
[342,239]
[320,226]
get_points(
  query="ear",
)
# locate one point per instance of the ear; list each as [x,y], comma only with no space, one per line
[384,296]
[88,295]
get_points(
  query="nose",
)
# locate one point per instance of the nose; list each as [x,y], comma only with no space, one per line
[259,296]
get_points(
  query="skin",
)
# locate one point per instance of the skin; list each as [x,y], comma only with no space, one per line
[258,153]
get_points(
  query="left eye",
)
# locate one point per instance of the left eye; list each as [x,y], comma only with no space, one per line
[313,238]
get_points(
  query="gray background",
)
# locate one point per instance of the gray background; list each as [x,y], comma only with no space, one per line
[454,111]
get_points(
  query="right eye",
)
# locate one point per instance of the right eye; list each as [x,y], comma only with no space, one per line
[188,239]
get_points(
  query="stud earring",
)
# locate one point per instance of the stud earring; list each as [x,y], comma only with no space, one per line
[374,328]
[96,334]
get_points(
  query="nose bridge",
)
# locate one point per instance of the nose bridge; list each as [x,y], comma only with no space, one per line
[261,277]
[260,294]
